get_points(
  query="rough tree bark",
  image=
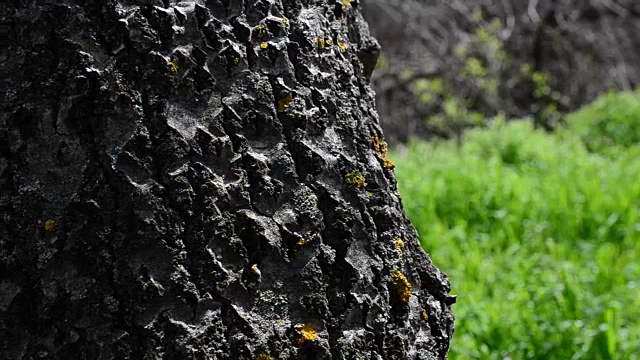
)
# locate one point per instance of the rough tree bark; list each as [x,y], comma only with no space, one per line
[203,180]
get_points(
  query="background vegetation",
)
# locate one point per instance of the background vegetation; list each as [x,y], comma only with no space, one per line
[537,231]
[446,65]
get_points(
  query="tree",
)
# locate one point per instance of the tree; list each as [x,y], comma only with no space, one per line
[203,180]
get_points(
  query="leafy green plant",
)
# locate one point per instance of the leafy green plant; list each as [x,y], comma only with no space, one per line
[612,122]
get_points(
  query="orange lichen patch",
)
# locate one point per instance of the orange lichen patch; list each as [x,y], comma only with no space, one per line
[343,47]
[401,285]
[303,242]
[49,225]
[263,357]
[425,316]
[379,145]
[399,245]
[307,333]
[380,148]
[355,178]
[283,104]
[264,45]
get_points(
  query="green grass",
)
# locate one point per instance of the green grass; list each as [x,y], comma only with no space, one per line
[537,232]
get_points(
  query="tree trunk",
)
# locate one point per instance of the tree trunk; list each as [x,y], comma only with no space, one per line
[203,180]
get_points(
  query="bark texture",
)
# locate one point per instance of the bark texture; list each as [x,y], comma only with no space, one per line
[203,180]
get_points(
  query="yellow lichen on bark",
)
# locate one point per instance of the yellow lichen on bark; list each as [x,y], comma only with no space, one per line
[283,104]
[263,357]
[307,333]
[49,225]
[401,285]
[399,245]
[380,148]
[355,178]
[261,30]
[175,66]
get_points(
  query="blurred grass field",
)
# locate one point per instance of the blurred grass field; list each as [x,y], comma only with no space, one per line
[538,233]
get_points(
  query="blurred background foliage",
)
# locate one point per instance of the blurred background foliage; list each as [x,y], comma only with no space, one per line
[516,130]
[446,65]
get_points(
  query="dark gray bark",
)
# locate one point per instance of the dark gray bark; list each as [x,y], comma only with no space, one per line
[203,180]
